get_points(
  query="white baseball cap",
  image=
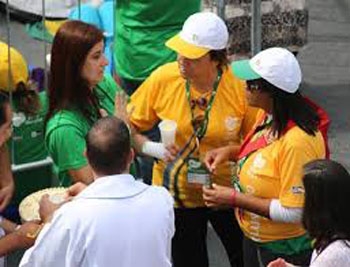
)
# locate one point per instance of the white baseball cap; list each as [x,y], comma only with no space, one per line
[276,65]
[201,32]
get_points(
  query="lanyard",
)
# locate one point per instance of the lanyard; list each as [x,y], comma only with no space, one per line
[198,133]
[202,128]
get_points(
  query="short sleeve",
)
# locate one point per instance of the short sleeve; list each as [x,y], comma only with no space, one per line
[293,157]
[55,245]
[66,145]
[143,101]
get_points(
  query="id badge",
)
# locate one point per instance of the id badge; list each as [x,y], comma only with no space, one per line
[197,173]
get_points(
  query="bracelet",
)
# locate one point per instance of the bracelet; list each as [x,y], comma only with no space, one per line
[233,198]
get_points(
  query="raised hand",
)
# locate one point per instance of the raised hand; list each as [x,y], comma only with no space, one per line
[217,156]
[121,107]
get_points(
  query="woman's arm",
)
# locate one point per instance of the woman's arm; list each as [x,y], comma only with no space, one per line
[22,238]
[222,195]
[83,174]
[7,185]
[269,208]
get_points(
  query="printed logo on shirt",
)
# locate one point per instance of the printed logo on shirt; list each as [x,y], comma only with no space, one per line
[18,119]
[232,123]
[258,163]
[296,190]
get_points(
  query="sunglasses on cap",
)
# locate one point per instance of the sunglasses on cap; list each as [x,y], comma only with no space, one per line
[201,103]
[253,86]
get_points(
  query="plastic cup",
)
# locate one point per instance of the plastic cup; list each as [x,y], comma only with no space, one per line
[167,131]
[56,199]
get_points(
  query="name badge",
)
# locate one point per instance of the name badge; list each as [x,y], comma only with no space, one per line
[197,173]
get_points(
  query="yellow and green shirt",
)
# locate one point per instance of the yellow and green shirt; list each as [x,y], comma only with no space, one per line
[275,172]
[163,96]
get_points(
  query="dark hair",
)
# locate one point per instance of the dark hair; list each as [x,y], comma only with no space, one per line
[287,106]
[219,56]
[67,88]
[27,99]
[326,213]
[108,146]
[4,101]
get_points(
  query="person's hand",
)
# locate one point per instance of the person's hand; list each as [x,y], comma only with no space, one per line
[217,195]
[27,233]
[120,107]
[47,208]
[74,190]
[280,263]
[6,193]
[215,157]
[171,152]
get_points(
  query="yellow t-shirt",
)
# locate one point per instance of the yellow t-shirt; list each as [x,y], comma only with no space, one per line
[275,172]
[163,96]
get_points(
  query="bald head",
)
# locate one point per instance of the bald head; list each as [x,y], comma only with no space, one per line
[108,146]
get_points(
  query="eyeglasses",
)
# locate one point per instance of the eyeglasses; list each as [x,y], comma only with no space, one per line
[253,87]
[201,103]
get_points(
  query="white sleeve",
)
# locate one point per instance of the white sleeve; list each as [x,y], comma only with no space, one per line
[53,247]
[278,213]
[154,149]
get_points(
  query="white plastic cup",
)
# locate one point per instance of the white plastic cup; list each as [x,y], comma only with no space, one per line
[167,131]
[56,199]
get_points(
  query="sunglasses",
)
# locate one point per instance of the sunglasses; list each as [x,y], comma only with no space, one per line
[201,103]
[253,87]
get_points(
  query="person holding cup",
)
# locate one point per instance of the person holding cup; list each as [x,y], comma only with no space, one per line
[207,102]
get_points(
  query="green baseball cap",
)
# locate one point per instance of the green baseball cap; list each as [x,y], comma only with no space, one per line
[244,71]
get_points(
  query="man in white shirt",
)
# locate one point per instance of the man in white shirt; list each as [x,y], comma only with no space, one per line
[115,221]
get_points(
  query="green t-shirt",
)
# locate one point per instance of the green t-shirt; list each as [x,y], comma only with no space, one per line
[142,28]
[66,131]
[28,134]
[29,146]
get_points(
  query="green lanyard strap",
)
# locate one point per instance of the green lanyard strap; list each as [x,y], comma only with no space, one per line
[199,132]
[202,128]
[235,177]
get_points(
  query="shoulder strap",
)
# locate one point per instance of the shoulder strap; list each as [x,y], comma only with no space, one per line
[324,123]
